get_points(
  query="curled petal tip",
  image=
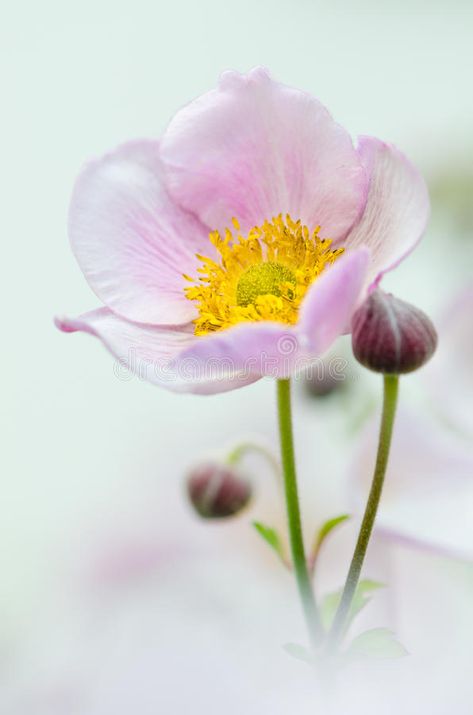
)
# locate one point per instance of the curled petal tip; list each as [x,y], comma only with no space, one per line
[63,324]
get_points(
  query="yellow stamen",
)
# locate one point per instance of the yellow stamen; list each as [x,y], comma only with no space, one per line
[263,276]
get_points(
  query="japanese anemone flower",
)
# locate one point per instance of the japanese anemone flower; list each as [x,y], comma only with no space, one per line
[240,243]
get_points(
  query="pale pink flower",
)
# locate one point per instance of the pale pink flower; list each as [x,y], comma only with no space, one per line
[251,153]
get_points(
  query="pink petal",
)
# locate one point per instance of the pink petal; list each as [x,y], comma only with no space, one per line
[131,241]
[259,349]
[332,299]
[254,148]
[397,208]
[428,495]
[149,352]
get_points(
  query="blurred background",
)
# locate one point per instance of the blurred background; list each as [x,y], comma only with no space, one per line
[115,597]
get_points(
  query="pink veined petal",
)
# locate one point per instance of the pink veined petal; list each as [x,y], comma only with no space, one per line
[332,299]
[131,241]
[149,352]
[260,348]
[428,495]
[254,148]
[397,208]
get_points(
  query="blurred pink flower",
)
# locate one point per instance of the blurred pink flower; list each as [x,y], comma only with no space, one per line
[193,629]
[449,378]
[253,152]
[428,496]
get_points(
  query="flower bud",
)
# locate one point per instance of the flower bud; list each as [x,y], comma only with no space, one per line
[328,375]
[217,490]
[391,336]
[321,385]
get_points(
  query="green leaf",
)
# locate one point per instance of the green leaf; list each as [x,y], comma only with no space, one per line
[272,538]
[329,526]
[360,599]
[376,643]
[321,535]
[363,596]
[328,608]
[299,652]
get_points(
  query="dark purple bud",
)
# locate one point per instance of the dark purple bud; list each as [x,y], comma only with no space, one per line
[217,490]
[391,336]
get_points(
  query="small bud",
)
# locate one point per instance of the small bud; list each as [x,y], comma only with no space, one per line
[391,336]
[217,490]
[328,375]
[321,386]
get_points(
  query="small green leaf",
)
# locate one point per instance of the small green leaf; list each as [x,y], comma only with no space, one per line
[360,599]
[376,643]
[329,526]
[272,538]
[328,608]
[321,535]
[299,652]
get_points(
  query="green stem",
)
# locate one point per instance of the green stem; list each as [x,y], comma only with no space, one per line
[293,514]
[391,385]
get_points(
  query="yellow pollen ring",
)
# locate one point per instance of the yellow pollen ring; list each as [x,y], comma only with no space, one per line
[262,276]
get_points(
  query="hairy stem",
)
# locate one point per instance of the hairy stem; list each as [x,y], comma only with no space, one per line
[391,385]
[293,514]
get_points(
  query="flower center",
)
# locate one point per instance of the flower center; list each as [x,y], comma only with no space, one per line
[262,276]
[263,279]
